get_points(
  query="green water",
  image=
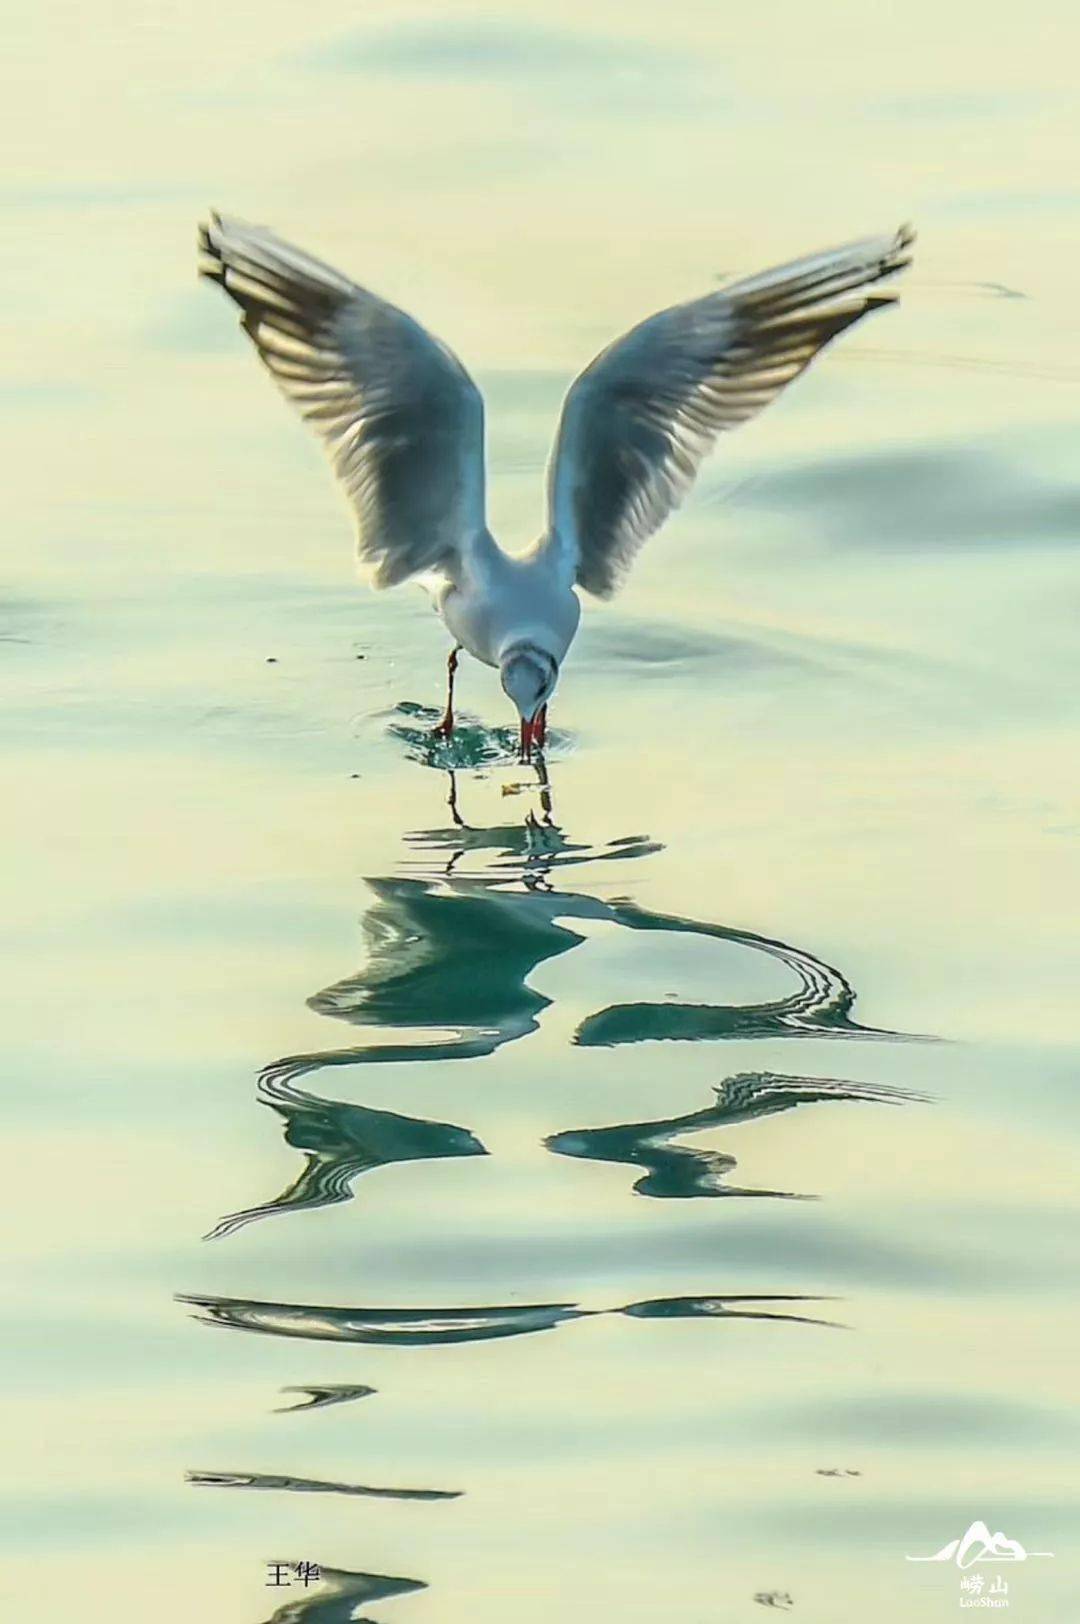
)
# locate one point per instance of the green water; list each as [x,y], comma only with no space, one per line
[649,1197]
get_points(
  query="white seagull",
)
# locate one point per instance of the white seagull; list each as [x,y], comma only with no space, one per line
[404,425]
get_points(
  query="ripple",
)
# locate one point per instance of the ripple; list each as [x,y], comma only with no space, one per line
[925,496]
[472,744]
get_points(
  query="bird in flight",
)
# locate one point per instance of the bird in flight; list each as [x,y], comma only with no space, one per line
[404,425]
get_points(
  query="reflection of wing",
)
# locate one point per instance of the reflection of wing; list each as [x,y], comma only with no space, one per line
[317,1398]
[420,1327]
[340,1594]
[401,418]
[762,1093]
[311,1485]
[673,1172]
[677,1170]
[403,1327]
[680,1171]
[453,959]
[747,1305]
[821,1001]
[639,420]
[458,958]
[341,1142]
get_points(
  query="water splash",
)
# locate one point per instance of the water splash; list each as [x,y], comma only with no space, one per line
[471,744]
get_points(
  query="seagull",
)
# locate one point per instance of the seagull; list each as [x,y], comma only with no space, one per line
[403,423]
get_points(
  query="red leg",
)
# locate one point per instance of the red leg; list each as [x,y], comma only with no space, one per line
[445,728]
[540,727]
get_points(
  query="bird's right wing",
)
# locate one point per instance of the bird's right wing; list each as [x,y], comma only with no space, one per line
[401,418]
[640,419]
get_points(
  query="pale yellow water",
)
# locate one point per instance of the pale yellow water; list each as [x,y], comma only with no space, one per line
[836,705]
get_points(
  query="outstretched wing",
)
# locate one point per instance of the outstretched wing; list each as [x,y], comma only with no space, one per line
[640,419]
[401,418]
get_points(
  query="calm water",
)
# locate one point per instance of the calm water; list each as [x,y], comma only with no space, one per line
[648,1201]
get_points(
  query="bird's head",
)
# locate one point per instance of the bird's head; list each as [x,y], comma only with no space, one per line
[529,675]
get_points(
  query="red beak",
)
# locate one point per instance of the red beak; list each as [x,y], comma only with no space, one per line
[529,736]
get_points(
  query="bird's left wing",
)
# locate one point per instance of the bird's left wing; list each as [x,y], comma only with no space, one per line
[401,418]
[639,420]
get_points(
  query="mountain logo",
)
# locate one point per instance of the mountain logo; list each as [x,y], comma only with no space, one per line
[980,1545]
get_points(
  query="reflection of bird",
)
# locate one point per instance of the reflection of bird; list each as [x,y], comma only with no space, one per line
[404,424]
[457,959]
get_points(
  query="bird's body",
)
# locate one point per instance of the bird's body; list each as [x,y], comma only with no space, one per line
[404,424]
[498,601]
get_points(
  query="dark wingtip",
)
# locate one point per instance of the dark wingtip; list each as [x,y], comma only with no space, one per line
[212,267]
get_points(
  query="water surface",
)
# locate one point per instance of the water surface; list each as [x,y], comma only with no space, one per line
[647,1196]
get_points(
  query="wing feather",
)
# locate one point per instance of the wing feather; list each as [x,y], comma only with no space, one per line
[400,417]
[640,419]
